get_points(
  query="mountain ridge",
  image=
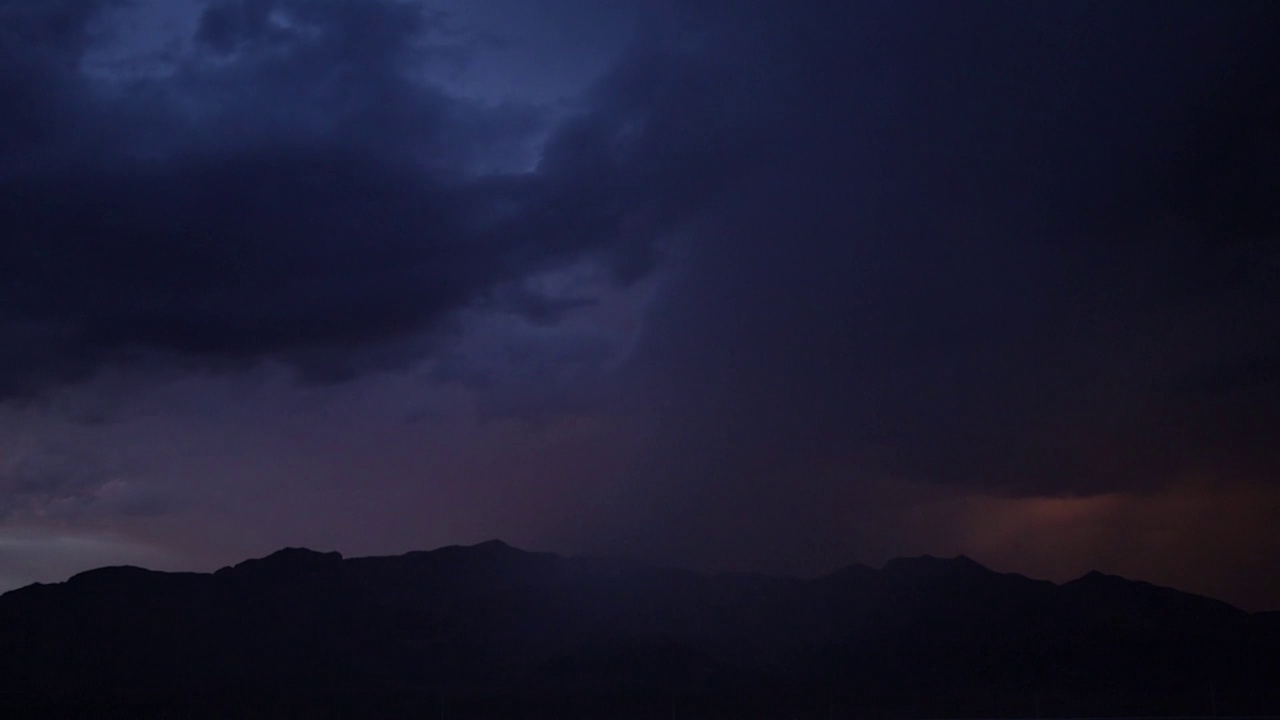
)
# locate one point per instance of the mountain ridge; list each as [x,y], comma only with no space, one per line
[923,564]
[503,631]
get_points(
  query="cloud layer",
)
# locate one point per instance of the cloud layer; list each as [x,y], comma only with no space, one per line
[779,288]
[286,185]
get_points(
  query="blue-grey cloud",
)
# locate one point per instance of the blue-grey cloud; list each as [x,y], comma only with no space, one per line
[290,187]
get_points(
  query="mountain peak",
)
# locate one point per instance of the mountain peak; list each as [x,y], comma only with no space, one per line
[110,574]
[1095,577]
[289,560]
[301,556]
[488,548]
[934,566]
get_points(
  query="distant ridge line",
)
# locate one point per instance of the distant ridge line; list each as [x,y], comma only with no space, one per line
[504,632]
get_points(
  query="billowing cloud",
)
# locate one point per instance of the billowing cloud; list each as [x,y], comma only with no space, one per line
[287,185]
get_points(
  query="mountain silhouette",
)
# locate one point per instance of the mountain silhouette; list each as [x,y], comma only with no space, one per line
[491,631]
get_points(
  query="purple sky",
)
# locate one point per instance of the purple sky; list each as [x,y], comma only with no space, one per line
[744,285]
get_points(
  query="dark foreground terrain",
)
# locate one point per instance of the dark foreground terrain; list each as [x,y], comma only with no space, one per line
[492,631]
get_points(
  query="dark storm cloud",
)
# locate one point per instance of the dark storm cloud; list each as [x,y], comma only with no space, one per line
[291,189]
[983,245]
[40,44]
[1223,178]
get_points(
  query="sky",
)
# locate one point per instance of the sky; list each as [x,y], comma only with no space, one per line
[739,286]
